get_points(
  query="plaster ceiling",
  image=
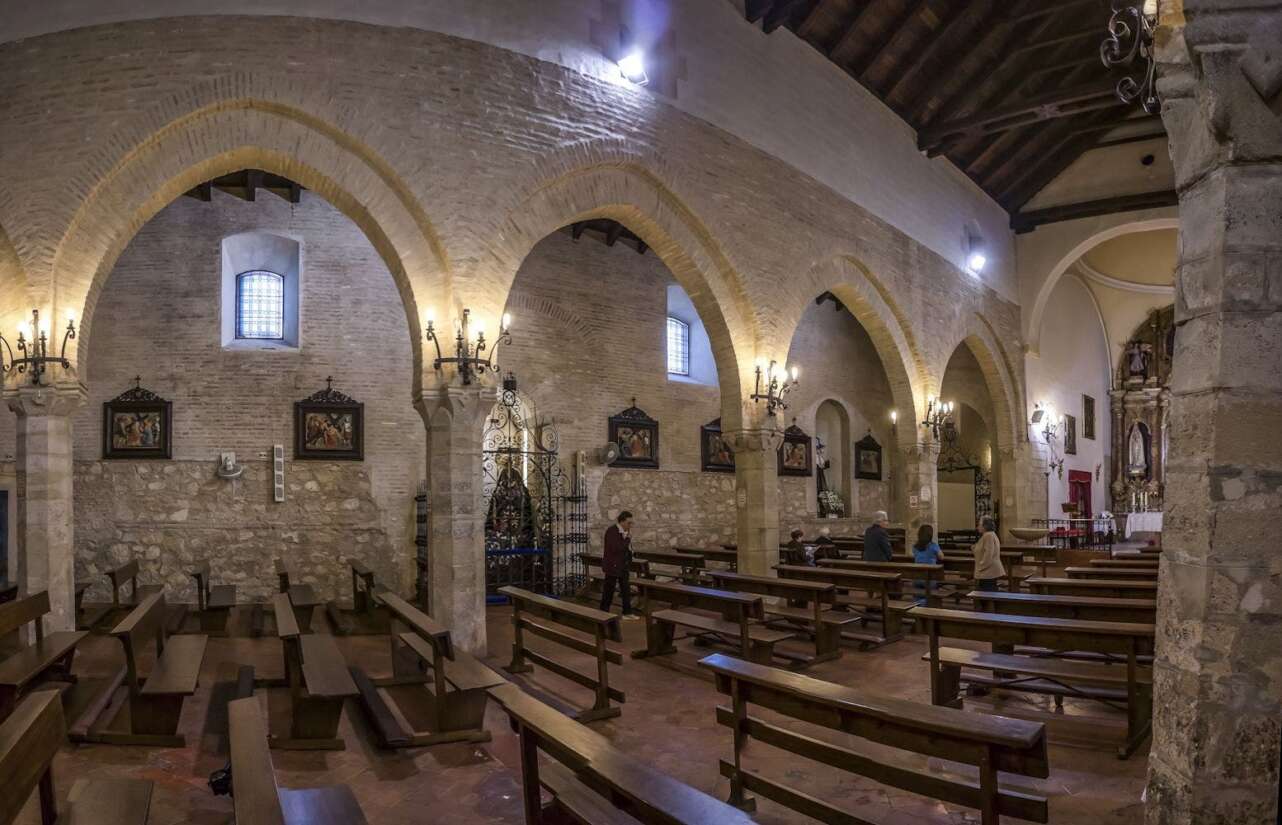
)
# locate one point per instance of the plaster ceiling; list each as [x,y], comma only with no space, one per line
[1147,258]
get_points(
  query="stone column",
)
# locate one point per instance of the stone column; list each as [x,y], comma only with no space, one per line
[1218,673]
[756,470]
[919,480]
[1023,487]
[455,417]
[46,551]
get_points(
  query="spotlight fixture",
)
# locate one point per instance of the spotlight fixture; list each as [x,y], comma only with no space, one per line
[632,67]
[939,416]
[976,253]
[33,344]
[467,351]
[976,261]
[775,388]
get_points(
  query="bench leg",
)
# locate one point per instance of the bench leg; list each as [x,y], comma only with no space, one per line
[659,638]
[155,715]
[314,724]
[518,664]
[531,793]
[48,799]
[303,615]
[761,652]
[214,621]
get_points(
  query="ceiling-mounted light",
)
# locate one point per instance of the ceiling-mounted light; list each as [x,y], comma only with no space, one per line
[976,253]
[975,262]
[632,67]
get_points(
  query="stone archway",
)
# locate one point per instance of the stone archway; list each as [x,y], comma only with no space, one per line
[13,286]
[232,135]
[1053,249]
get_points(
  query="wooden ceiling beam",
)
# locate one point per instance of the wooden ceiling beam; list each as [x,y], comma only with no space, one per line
[754,10]
[1054,104]
[994,24]
[1023,222]
[1044,9]
[842,52]
[780,13]
[947,24]
[612,234]
[1099,32]
[892,36]
[807,27]
[1041,172]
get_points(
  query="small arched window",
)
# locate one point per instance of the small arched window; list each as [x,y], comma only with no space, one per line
[678,346]
[260,305]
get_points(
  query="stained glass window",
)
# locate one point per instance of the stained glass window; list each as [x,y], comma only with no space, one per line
[260,305]
[678,347]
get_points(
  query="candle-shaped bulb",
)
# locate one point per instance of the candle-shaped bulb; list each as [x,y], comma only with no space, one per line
[894,416]
[761,365]
[71,316]
[429,316]
[507,321]
[794,372]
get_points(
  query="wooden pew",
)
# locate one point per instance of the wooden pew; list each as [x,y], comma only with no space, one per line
[365,616]
[319,683]
[301,596]
[1109,588]
[257,799]
[990,743]
[689,564]
[154,703]
[908,571]
[960,565]
[1132,563]
[737,624]
[883,588]
[430,679]
[730,558]
[47,658]
[29,740]
[592,781]
[1058,677]
[591,589]
[1093,572]
[806,601]
[213,602]
[1034,554]
[1089,608]
[550,619]
[88,618]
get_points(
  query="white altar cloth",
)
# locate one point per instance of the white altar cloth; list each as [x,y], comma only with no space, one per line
[1143,523]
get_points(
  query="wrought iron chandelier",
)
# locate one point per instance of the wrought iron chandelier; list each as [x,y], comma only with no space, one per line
[33,345]
[1130,39]
[776,388]
[939,417]
[468,352]
[1050,427]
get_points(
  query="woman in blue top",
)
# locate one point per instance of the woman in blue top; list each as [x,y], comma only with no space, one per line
[925,551]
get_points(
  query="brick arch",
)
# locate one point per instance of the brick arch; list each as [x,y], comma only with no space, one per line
[13,287]
[630,193]
[877,312]
[999,379]
[233,135]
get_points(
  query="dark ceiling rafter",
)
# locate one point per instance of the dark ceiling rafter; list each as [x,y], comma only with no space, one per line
[609,232]
[1028,221]
[1010,91]
[245,184]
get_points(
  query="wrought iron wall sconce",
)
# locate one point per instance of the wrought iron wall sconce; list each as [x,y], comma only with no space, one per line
[939,417]
[470,356]
[775,387]
[1050,428]
[33,345]
[1130,39]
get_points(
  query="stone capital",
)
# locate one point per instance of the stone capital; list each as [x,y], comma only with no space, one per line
[921,451]
[752,441]
[60,399]
[454,402]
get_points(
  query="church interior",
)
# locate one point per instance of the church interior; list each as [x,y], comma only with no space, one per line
[640,411]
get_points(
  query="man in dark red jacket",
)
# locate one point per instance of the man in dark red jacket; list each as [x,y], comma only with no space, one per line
[615,561]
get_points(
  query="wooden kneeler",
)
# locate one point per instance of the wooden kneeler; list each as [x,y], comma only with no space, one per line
[431,681]
[154,702]
[550,618]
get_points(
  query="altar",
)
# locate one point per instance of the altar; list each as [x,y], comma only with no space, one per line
[1143,523]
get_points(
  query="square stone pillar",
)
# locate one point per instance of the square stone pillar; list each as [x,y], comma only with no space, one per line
[1022,490]
[455,417]
[756,470]
[1218,671]
[919,483]
[46,552]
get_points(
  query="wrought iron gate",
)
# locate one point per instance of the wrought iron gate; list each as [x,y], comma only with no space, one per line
[952,460]
[536,517]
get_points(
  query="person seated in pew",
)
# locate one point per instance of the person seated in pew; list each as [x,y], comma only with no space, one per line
[794,552]
[823,548]
[876,539]
[988,556]
[925,551]
[615,561]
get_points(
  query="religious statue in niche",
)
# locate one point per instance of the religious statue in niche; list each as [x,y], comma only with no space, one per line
[1137,464]
[1137,359]
[1139,403]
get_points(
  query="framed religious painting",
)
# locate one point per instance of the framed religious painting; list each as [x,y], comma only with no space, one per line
[1070,434]
[329,426]
[796,456]
[637,435]
[715,455]
[1088,417]
[137,424]
[868,458]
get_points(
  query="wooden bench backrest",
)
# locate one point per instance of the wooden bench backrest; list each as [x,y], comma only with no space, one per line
[145,623]
[127,572]
[639,566]
[840,576]
[253,777]
[15,614]
[585,619]
[643,791]
[1003,744]
[359,568]
[422,625]
[731,605]
[282,574]
[29,740]
[286,621]
[803,589]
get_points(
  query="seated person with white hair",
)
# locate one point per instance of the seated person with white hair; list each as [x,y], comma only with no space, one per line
[876,539]
[825,547]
